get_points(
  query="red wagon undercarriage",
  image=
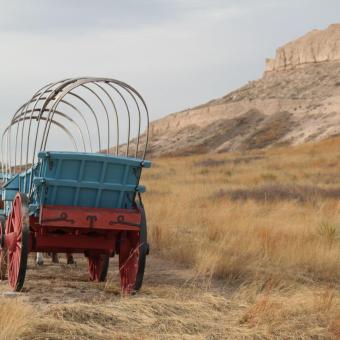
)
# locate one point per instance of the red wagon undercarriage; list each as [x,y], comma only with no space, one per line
[98,233]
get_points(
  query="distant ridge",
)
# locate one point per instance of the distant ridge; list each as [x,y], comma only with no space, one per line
[296,100]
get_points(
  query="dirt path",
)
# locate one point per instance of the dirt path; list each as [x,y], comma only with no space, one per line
[170,305]
[60,283]
[173,304]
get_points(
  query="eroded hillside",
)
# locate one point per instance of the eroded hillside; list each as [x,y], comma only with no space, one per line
[288,105]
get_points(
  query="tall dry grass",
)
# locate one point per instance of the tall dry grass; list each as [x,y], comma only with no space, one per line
[274,214]
[189,313]
[15,318]
[265,224]
[252,218]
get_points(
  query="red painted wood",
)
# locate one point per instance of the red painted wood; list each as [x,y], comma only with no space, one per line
[89,218]
[128,261]
[97,262]
[75,243]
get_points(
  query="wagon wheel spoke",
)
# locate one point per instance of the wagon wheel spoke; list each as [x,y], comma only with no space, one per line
[98,266]
[15,267]
[132,255]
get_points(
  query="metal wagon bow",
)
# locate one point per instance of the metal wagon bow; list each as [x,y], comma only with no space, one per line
[86,199]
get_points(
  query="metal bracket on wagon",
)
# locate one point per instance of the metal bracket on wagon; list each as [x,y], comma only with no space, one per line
[89,218]
[62,217]
[121,220]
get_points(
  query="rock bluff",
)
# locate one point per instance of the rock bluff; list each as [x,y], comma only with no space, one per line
[314,47]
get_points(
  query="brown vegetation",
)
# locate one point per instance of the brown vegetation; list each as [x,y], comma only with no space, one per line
[244,245]
[268,226]
[15,318]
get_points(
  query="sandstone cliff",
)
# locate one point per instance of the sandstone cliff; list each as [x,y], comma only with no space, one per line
[315,46]
[297,100]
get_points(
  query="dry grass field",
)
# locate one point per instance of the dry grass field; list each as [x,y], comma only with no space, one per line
[266,223]
[243,245]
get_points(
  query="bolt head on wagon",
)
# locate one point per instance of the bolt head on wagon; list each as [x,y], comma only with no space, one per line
[72,158]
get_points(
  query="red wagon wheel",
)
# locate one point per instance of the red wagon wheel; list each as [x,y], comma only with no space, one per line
[98,266]
[133,248]
[18,226]
[3,251]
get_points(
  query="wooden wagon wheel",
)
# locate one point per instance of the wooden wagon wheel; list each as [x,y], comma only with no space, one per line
[98,266]
[3,251]
[18,226]
[133,248]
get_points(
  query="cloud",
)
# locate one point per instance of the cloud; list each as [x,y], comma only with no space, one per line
[178,53]
[74,16]
[46,16]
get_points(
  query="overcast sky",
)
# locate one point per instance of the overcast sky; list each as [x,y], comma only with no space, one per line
[177,53]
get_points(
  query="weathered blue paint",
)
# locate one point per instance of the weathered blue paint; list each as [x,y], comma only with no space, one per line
[80,179]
